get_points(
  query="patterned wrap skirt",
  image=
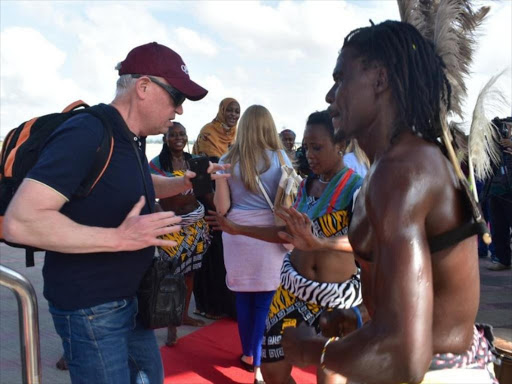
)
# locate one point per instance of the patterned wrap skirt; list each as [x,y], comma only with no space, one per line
[193,240]
[300,300]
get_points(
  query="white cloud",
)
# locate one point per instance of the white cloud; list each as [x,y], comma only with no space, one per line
[31,77]
[278,54]
[195,42]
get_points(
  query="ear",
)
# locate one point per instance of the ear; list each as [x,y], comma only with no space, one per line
[141,87]
[381,80]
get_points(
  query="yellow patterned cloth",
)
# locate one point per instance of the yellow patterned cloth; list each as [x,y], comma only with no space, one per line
[299,300]
[215,138]
[193,240]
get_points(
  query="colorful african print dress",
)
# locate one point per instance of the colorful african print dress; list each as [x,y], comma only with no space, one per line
[298,299]
[194,237]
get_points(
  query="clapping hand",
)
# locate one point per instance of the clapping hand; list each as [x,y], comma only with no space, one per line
[298,229]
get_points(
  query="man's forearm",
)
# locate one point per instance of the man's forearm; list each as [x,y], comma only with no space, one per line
[169,186]
[51,230]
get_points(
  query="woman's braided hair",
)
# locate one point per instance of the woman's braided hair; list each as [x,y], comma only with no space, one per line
[415,72]
[165,154]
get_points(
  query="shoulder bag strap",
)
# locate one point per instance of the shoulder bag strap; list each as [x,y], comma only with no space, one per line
[265,195]
[281,159]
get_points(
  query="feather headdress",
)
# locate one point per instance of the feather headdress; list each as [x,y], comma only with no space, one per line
[451,25]
[482,149]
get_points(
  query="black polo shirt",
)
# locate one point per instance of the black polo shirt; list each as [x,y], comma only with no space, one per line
[74,281]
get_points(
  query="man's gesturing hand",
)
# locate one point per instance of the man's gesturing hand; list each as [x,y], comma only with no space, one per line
[137,232]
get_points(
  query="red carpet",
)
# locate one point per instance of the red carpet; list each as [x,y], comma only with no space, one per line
[210,355]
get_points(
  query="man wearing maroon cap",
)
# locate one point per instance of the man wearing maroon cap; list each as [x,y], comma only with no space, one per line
[100,246]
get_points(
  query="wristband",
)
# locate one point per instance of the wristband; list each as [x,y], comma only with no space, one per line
[358,316]
[322,356]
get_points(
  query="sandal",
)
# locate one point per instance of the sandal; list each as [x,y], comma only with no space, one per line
[199,313]
[214,317]
[248,367]
[61,364]
[193,322]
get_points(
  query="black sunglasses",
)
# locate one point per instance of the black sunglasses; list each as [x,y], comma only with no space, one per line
[178,97]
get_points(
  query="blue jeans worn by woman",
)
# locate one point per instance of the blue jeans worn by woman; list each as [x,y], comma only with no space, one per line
[252,310]
[105,344]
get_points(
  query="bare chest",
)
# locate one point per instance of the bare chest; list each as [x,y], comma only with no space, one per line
[360,233]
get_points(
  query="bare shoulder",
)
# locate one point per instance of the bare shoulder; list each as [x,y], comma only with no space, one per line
[410,178]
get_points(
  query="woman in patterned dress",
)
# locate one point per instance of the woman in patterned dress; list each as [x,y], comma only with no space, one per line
[193,239]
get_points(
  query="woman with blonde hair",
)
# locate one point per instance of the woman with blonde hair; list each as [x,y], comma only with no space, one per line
[252,266]
[213,299]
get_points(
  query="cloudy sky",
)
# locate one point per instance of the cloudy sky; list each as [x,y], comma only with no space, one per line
[276,53]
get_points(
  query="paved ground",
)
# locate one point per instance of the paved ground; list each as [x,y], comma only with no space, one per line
[495,309]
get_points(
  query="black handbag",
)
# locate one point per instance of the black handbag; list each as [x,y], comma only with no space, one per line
[161,294]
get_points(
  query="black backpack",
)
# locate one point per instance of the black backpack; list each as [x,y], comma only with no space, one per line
[21,149]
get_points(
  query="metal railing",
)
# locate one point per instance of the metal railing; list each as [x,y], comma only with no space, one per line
[29,323]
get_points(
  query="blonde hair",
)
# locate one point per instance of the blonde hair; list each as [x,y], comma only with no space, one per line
[353,146]
[256,133]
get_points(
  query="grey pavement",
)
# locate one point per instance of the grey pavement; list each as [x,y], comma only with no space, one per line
[495,309]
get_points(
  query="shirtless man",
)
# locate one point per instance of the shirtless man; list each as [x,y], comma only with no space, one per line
[422,296]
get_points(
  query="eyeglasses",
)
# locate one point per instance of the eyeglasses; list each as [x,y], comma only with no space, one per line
[176,95]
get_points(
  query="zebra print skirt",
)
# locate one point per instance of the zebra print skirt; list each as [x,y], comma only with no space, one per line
[346,294]
[300,300]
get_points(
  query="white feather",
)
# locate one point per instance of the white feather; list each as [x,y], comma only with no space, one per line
[483,149]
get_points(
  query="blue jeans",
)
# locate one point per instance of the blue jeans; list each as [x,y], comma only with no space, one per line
[105,344]
[252,310]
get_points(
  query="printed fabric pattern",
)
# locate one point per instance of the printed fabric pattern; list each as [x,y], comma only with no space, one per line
[300,300]
[478,356]
[193,241]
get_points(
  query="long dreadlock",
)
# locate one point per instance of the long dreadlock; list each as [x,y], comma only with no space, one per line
[165,157]
[415,72]
[419,86]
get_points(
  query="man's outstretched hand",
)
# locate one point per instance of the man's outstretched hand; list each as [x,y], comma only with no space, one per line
[140,231]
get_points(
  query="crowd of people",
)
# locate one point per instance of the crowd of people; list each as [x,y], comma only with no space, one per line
[380,286]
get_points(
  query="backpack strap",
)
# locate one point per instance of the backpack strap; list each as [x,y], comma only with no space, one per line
[3,154]
[29,257]
[103,153]
[75,105]
[24,135]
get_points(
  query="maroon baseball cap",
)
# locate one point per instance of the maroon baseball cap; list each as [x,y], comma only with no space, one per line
[154,59]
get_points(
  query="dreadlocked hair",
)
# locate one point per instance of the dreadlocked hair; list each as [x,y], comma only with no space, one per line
[415,72]
[165,157]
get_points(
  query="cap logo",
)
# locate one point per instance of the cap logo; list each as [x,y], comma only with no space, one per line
[184,68]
